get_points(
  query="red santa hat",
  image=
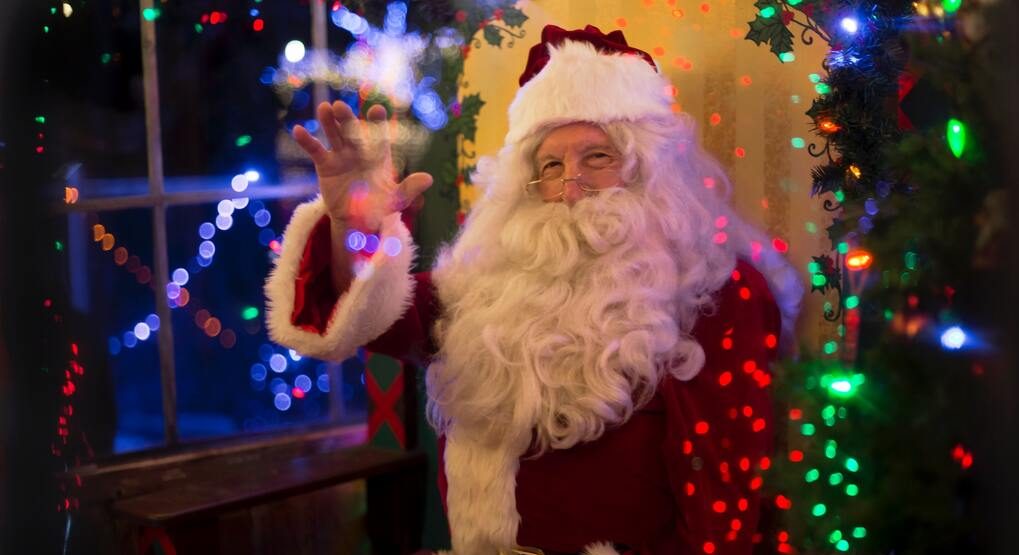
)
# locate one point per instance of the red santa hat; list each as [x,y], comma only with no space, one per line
[586,75]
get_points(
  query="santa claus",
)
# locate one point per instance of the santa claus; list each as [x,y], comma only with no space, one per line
[597,336]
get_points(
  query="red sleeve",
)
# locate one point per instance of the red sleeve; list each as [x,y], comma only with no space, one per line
[720,426]
[315,298]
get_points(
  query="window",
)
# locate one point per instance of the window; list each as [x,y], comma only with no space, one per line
[174,217]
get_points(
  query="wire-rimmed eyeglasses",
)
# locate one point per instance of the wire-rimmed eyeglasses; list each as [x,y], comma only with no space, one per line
[551,189]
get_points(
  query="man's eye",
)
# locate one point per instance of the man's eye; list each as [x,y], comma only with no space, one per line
[549,166]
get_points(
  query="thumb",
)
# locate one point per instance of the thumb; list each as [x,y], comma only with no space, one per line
[415,184]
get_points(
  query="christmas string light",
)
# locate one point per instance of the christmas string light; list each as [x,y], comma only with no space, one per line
[956,135]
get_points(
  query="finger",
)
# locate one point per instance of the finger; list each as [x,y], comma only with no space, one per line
[415,184]
[408,191]
[310,144]
[330,126]
[372,139]
[344,118]
[351,131]
[342,112]
[377,113]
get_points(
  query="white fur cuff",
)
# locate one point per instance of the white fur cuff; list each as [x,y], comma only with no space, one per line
[600,549]
[379,294]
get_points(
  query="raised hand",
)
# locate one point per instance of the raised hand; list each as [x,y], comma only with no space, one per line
[355,174]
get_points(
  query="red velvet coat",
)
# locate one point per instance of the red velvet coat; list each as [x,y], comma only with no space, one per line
[681,476]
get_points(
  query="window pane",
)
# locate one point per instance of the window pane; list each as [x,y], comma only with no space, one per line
[220,112]
[110,267]
[230,377]
[98,108]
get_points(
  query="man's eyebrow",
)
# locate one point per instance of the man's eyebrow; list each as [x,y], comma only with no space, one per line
[584,147]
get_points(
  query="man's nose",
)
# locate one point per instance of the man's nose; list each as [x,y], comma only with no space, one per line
[571,187]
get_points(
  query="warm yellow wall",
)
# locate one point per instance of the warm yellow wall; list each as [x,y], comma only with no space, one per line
[772,181]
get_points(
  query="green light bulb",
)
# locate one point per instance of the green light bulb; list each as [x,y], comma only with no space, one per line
[841,386]
[910,259]
[768,11]
[249,313]
[852,490]
[859,532]
[835,479]
[812,475]
[835,536]
[830,347]
[843,545]
[787,57]
[956,134]
[951,6]
[807,429]
[852,465]
[852,302]
[830,448]
[818,280]
[819,510]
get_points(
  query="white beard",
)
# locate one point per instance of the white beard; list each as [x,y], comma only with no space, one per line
[569,332]
[566,329]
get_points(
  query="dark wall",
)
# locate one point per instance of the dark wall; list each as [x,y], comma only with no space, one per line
[29,521]
[1000,422]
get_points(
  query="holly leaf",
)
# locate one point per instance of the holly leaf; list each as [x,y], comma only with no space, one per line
[445,173]
[493,36]
[468,120]
[770,30]
[471,105]
[832,276]
[514,17]
[837,231]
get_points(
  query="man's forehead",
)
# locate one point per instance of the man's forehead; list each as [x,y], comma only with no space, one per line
[573,138]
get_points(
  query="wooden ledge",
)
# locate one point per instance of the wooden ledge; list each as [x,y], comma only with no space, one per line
[229,483]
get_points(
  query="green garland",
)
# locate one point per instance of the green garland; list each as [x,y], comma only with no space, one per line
[878,447]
